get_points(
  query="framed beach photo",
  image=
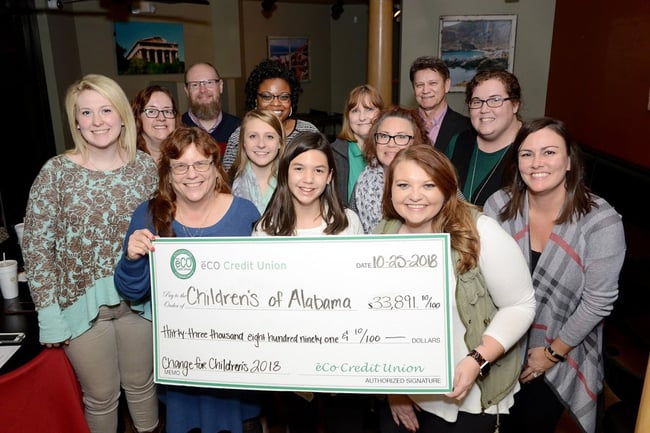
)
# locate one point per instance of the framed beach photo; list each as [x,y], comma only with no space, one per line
[292,50]
[470,43]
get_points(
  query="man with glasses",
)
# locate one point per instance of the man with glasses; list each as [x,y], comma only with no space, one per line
[203,87]
[431,82]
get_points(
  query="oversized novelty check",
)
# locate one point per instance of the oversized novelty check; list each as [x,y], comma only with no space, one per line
[361,314]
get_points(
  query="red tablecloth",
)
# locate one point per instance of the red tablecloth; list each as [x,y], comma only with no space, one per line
[42,396]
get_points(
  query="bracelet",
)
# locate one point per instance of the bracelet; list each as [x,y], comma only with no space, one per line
[554,354]
[549,357]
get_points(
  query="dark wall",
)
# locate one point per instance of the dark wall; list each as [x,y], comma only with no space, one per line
[599,78]
[27,117]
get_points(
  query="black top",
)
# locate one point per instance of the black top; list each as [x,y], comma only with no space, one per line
[222,132]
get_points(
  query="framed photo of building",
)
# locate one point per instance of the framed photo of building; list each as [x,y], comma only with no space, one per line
[149,48]
[471,43]
[292,50]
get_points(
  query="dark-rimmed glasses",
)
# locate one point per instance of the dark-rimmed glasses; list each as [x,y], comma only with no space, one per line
[399,139]
[152,113]
[268,97]
[182,168]
[210,84]
[492,102]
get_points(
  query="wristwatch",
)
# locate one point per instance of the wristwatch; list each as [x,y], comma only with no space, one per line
[483,363]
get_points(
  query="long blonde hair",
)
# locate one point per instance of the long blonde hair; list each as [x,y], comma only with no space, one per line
[268,117]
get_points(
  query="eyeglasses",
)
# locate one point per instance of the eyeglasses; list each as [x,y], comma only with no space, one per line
[210,84]
[269,97]
[152,113]
[493,102]
[399,139]
[182,168]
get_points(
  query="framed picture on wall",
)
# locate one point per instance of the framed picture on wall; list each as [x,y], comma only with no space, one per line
[470,43]
[292,50]
[143,48]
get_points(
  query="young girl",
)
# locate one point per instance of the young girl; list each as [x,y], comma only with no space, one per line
[255,170]
[306,203]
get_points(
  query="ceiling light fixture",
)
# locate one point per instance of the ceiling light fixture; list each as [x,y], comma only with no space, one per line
[337,9]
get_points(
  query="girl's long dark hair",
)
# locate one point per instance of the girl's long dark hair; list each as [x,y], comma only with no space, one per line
[279,218]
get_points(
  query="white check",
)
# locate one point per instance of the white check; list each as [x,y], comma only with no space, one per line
[361,314]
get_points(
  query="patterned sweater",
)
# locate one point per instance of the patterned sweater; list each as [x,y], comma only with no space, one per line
[75,224]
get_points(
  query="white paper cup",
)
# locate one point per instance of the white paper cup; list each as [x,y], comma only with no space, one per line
[9,278]
[19,233]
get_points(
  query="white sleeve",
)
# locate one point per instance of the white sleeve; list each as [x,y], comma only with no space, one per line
[508,280]
[354,223]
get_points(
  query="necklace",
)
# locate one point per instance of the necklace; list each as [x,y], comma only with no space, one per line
[488,177]
[192,232]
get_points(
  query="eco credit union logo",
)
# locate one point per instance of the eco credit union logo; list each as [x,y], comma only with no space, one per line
[183,264]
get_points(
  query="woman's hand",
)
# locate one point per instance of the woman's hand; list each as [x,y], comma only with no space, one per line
[465,375]
[403,410]
[537,364]
[51,345]
[140,244]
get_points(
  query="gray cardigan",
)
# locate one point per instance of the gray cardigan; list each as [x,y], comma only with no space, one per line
[576,284]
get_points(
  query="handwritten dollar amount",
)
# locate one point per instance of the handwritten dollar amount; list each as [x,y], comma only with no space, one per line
[403,302]
[361,335]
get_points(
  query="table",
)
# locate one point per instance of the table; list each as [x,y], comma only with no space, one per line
[18,315]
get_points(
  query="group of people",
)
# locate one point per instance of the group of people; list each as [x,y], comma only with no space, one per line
[536,256]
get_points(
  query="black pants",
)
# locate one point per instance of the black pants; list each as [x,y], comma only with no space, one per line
[340,413]
[536,410]
[430,423]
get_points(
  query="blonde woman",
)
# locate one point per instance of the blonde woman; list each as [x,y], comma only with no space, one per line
[79,209]
[255,171]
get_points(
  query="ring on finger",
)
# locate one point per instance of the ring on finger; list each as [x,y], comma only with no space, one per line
[534,374]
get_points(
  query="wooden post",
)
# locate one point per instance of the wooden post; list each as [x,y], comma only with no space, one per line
[643,418]
[380,47]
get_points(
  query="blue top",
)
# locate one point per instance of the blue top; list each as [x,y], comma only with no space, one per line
[211,410]
[132,277]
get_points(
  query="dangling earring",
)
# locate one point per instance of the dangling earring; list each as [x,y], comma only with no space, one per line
[291,111]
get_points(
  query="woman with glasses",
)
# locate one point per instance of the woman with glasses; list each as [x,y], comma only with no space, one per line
[395,128]
[193,200]
[494,100]
[156,116]
[272,85]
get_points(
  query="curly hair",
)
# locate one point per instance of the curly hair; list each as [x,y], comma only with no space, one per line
[266,70]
